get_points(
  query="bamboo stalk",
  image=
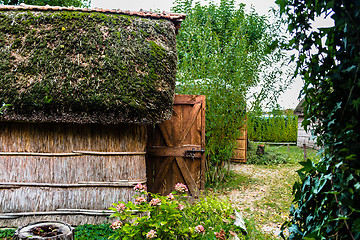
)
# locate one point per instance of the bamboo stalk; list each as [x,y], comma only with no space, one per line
[39,154]
[108,153]
[24,214]
[88,212]
[92,211]
[74,153]
[69,185]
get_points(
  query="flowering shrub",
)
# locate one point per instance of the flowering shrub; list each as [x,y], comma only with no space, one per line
[181,188]
[172,217]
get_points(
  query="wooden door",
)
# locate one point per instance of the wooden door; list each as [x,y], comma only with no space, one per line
[176,147]
[240,150]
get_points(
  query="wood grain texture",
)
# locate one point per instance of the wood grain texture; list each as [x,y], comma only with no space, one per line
[240,150]
[169,143]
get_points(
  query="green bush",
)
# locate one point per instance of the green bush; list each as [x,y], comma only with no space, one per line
[93,232]
[222,51]
[174,217]
[6,234]
[276,128]
[271,156]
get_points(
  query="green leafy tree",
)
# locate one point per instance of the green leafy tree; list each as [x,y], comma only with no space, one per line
[327,200]
[64,3]
[222,50]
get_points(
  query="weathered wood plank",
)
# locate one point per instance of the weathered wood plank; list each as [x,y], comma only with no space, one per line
[188,124]
[162,151]
[187,176]
[166,135]
[202,132]
[186,127]
[186,99]
[164,168]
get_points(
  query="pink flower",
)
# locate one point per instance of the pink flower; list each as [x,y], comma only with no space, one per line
[151,234]
[232,233]
[170,196]
[140,200]
[155,202]
[115,225]
[199,229]
[140,188]
[120,207]
[180,187]
[180,207]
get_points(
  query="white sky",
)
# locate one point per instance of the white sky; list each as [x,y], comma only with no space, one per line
[287,100]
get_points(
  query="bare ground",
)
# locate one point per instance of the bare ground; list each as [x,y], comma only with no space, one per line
[265,195]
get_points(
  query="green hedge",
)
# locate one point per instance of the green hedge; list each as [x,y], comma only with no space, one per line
[273,128]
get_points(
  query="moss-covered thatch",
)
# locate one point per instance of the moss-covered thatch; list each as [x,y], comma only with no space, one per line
[86,67]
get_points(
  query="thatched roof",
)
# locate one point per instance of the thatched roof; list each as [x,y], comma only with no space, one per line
[87,65]
[299,110]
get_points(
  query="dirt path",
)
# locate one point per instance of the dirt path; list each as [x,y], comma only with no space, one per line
[264,195]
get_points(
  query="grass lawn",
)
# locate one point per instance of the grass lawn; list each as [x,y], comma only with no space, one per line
[263,193]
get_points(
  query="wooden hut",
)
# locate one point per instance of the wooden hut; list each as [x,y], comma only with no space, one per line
[303,137]
[82,84]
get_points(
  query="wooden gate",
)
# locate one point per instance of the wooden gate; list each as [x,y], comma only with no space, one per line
[175,151]
[241,147]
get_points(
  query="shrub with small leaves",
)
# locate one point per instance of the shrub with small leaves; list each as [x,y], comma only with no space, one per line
[173,217]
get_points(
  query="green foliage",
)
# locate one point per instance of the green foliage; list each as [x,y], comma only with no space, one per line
[270,156]
[173,217]
[93,232]
[221,50]
[91,65]
[4,107]
[273,128]
[64,3]
[327,199]
[7,234]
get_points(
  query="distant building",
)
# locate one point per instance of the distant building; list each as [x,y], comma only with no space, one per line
[303,137]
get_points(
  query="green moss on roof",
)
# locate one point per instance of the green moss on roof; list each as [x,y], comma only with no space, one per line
[67,66]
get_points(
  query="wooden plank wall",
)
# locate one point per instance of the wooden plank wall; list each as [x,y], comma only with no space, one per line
[41,169]
[304,137]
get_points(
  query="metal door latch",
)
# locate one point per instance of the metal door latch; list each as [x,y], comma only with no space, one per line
[191,153]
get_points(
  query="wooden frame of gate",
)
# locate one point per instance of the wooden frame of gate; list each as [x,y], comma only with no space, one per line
[176,148]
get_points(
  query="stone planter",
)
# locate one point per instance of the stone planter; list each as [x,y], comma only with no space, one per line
[53,230]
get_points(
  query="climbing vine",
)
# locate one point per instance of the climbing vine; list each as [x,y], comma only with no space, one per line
[327,199]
